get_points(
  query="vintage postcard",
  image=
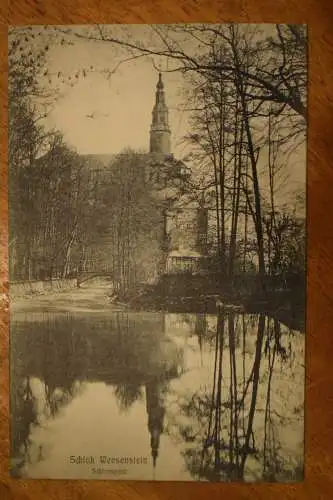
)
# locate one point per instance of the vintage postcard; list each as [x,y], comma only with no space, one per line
[157,250]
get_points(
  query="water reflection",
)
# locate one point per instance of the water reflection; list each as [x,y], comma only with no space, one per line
[203,397]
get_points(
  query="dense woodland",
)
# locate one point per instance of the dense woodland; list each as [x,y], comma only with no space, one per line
[248,112]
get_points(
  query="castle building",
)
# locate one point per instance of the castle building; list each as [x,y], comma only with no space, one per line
[186,229]
[184,223]
[178,234]
[178,240]
[182,233]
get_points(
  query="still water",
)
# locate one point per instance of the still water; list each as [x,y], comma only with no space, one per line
[156,396]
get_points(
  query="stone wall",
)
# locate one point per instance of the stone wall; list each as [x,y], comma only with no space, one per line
[28,288]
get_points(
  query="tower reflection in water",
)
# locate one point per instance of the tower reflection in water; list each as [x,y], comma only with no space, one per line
[156,412]
[229,379]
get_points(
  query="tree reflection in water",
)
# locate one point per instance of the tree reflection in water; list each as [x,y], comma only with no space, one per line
[29,411]
[61,354]
[222,442]
[228,429]
[23,406]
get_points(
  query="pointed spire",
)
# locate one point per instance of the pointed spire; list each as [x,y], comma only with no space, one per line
[154,444]
[159,130]
[160,84]
[155,410]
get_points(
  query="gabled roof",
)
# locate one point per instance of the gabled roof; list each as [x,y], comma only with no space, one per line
[101,159]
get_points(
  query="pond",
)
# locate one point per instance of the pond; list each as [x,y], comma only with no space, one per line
[145,395]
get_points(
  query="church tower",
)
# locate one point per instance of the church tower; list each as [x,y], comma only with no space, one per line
[160,135]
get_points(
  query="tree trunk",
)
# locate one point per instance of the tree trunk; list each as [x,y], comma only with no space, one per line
[222,176]
[241,89]
[68,250]
[257,198]
[236,193]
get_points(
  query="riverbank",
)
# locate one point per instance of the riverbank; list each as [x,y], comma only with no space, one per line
[286,306]
[97,296]
[93,297]
[19,289]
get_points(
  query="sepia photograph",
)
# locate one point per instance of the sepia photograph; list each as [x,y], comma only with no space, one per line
[157,251]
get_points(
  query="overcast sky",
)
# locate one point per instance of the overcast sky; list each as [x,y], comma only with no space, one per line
[103,114]
[121,104]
